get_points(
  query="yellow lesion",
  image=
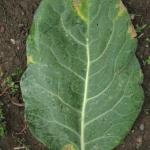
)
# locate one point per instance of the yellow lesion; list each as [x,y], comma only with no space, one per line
[132,31]
[30,60]
[69,147]
[77,6]
[122,9]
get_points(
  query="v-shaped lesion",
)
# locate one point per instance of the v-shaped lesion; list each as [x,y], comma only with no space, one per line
[81,8]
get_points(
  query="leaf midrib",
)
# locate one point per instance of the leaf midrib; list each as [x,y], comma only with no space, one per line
[82,140]
[85,96]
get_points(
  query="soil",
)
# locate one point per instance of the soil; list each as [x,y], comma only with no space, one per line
[15,22]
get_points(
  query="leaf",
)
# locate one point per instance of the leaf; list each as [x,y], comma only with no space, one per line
[82,85]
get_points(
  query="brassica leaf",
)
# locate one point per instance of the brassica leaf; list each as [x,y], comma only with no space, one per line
[82,85]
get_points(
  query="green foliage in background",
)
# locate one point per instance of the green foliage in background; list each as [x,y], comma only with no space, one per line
[2,123]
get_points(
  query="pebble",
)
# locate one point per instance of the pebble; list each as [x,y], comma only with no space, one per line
[20,25]
[142,127]
[139,142]
[147,113]
[18,48]
[147,46]
[132,131]
[2,29]
[132,16]
[13,41]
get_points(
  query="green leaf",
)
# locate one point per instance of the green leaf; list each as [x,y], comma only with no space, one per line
[82,85]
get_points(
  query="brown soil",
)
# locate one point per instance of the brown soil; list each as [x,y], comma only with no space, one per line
[15,21]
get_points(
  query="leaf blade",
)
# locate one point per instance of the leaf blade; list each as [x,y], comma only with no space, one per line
[80,69]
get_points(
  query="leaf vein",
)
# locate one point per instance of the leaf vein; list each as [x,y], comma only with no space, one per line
[59,98]
[114,106]
[105,49]
[64,66]
[97,139]
[109,84]
[58,123]
[71,35]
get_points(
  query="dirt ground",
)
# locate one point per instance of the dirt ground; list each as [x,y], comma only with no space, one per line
[15,21]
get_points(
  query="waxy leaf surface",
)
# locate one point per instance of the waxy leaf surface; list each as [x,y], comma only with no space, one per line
[82,85]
